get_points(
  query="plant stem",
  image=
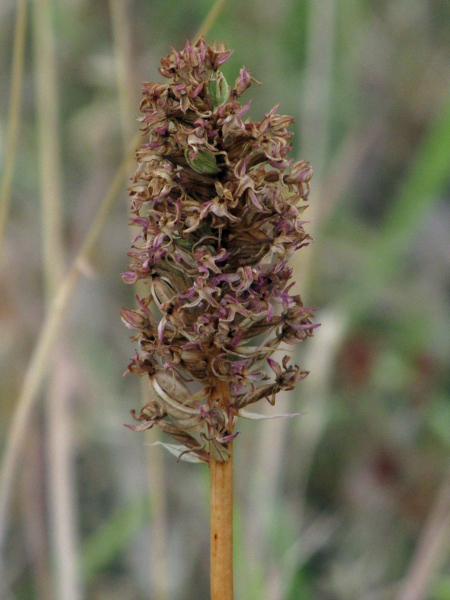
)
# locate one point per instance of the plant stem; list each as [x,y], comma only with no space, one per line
[221,503]
[221,477]
[15,105]
[210,19]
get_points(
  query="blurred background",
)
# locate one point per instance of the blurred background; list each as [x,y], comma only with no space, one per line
[350,500]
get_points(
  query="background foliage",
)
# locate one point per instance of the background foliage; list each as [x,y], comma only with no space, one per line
[351,500]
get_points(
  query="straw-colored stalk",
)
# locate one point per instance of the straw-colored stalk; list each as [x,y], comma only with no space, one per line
[221,479]
[58,424]
[13,116]
[221,503]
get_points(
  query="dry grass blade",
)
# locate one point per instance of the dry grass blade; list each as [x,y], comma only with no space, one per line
[40,359]
[59,466]
[121,31]
[210,19]
[49,146]
[14,115]
[431,548]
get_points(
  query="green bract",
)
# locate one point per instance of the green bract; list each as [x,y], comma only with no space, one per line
[218,90]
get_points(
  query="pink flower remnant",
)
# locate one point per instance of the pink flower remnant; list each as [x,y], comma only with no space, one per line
[218,207]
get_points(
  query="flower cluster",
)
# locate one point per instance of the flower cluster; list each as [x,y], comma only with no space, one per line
[218,205]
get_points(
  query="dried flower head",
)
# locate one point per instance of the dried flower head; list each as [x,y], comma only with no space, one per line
[218,205]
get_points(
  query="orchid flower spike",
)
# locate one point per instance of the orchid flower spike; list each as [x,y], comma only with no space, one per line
[218,206]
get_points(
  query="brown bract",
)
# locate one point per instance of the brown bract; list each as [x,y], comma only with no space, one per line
[218,208]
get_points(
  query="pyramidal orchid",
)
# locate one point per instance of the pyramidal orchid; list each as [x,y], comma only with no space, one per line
[218,208]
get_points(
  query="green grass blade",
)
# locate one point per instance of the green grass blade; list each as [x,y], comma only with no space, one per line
[429,175]
[105,544]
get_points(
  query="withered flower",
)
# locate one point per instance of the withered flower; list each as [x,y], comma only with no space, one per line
[218,205]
